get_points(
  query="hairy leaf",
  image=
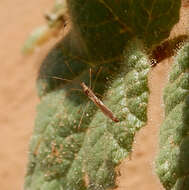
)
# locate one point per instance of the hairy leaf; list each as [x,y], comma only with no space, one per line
[106,26]
[69,153]
[172,162]
[74,145]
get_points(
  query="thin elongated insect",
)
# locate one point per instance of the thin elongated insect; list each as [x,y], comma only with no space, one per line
[98,102]
[90,94]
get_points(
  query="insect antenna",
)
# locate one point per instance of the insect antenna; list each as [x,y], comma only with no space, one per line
[59,78]
[67,80]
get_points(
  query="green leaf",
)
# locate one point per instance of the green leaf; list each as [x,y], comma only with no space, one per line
[69,153]
[106,26]
[172,161]
[74,145]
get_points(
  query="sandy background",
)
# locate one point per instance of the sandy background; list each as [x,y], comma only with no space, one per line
[18,101]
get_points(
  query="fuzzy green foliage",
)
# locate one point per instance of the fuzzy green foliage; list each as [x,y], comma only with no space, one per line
[74,145]
[65,156]
[172,162]
[105,26]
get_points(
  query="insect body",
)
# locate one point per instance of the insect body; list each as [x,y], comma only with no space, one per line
[88,92]
[98,102]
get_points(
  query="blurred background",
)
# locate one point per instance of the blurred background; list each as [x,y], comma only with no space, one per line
[18,100]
